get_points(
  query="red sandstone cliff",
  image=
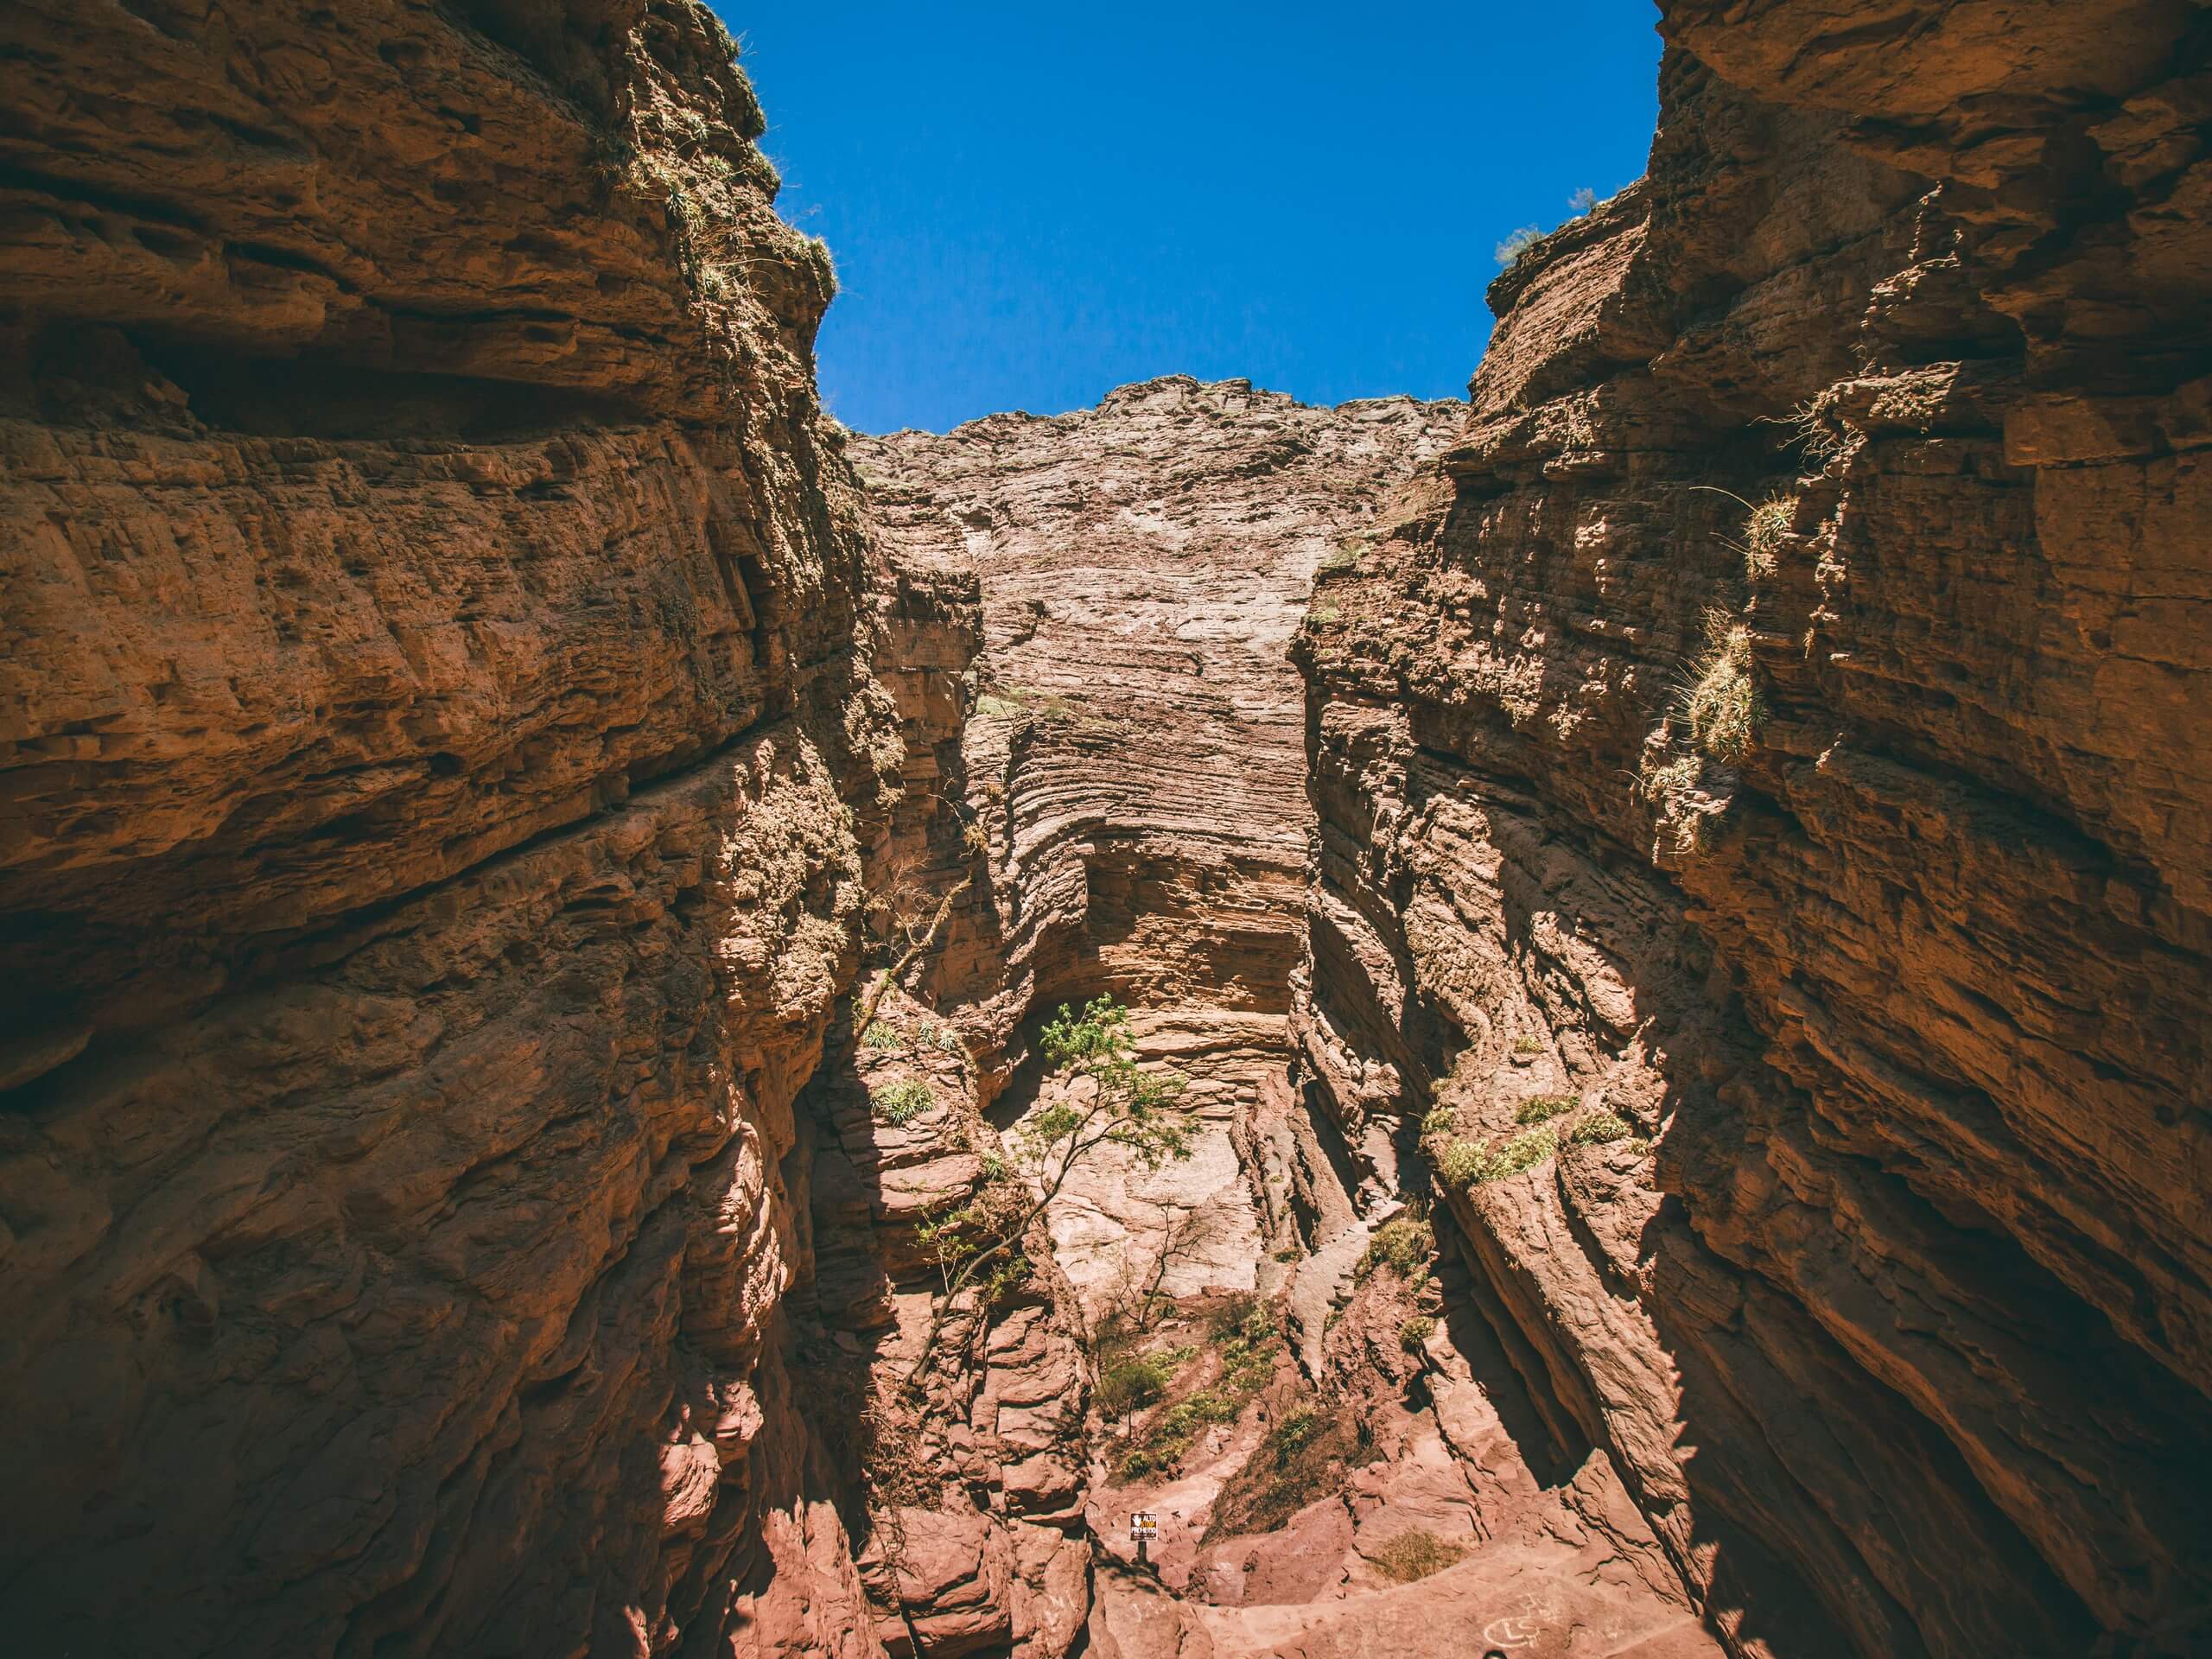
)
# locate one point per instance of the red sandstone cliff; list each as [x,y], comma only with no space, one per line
[1743,851]
[1137,759]
[1877,407]
[438,747]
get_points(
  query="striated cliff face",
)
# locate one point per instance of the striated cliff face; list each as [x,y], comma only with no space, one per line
[1136,750]
[437,750]
[1134,762]
[1678,888]
[1767,738]
[1116,769]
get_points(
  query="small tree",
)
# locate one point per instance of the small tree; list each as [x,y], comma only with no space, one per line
[1125,1107]
[1128,1107]
[902,922]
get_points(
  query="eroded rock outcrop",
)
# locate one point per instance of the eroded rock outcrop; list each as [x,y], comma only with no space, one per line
[1762,830]
[1328,1456]
[439,752]
[1696,1031]
[1136,759]
[1118,775]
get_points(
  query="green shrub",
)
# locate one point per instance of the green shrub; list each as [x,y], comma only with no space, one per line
[1303,1458]
[1599,1128]
[1414,1553]
[1186,1417]
[956,1233]
[1466,1165]
[901,1103]
[1522,1152]
[1178,1426]
[1292,1435]
[1251,1319]
[1763,533]
[1402,1242]
[882,1036]
[1461,1164]
[1008,1276]
[1539,1109]
[1414,1332]
[1247,1340]
[1526,1044]
[1124,1387]
[1438,1123]
[1517,243]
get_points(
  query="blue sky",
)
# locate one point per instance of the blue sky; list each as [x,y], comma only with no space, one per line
[1032,204]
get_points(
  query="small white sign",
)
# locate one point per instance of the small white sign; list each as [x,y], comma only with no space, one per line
[1143,1525]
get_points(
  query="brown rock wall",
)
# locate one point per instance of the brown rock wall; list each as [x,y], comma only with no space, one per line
[1901,1310]
[1135,756]
[437,757]
[457,731]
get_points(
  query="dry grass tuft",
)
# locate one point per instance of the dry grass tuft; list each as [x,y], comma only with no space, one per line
[1542,1108]
[1599,1128]
[1464,1164]
[1414,1553]
[1404,1243]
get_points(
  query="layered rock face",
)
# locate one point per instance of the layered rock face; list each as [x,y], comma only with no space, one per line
[1135,764]
[1137,756]
[1763,833]
[1118,776]
[437,750]
[1742,861]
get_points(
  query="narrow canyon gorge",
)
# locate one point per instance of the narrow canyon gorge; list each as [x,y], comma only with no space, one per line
[1644,937]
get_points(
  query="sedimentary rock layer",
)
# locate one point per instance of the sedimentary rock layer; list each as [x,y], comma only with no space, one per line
[1136,759]
[1117,779]
[437,754]
[1869,1029]
[1744,850]
[1134,763]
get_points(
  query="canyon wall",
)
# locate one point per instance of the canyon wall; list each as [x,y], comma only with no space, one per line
[1130,775]
[437,757]
[1134,763]
[1762,828]
[1741,865]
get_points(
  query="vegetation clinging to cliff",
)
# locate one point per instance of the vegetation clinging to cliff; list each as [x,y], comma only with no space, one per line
[901,1103]
[1107,1100]
[1721,706]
